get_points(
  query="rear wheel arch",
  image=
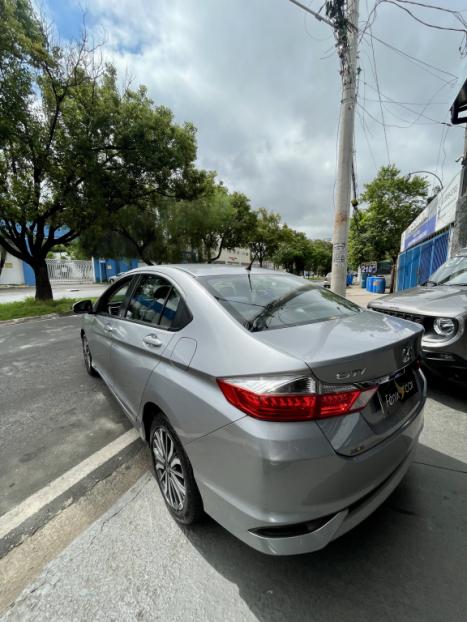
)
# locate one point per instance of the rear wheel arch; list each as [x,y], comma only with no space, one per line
[150,411]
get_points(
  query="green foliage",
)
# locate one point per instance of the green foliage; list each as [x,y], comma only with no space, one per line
[297,253]
[294,251]
[31,307]
[216,221]
[321,261]
[266,236]
[74,150]
[393,202]
[100,171]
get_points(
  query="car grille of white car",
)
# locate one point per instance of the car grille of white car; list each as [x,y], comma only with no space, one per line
[412,317]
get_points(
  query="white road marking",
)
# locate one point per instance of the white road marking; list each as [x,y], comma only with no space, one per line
[33,504]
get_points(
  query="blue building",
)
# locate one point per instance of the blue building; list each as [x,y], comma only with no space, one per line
[426,243]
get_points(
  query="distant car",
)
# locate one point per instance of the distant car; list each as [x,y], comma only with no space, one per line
[327,280]
[113,278]
[440,306]
[287,413]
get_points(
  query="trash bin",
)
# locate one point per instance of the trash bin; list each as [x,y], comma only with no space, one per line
[363,278]
[378,285]
[349,279]
[369,283]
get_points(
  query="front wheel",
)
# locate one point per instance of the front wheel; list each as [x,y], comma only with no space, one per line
[174,474]
[88,357]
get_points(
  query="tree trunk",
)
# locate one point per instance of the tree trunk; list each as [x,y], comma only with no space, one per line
[2,258]
[216,257]
[43,286]
[393,275]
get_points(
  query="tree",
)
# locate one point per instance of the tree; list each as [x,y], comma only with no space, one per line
[322,256]
[73,149]
[2,259]
[295,251]
[214,222]
[266,236]
[393,202]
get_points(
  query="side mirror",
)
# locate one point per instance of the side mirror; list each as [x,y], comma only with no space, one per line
[83,306]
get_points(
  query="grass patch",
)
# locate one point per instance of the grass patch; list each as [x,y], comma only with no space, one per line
[31,307]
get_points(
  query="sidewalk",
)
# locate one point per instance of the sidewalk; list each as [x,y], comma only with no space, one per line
[66,290]
[361,296]
[135,563]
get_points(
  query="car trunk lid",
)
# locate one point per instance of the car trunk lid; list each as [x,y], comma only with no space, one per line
[361,349]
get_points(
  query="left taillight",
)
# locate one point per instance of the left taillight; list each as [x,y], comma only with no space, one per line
[284,398]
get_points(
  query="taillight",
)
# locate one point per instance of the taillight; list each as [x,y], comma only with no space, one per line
[292,399]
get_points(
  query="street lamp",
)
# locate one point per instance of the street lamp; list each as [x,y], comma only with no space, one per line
[428,173]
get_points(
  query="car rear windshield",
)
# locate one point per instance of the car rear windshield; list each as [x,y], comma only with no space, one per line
[263,302]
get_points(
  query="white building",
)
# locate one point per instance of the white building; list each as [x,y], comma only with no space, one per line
[236,256]
[12,273]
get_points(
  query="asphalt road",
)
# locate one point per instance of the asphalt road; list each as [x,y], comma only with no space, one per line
[52,414]
[406,562]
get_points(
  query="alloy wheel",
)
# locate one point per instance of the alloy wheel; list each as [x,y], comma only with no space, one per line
[87,354]
[169,469]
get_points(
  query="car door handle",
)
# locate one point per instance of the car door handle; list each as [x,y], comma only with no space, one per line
[108,328]
[153,341]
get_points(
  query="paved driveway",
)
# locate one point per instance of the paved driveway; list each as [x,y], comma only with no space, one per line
[406,562]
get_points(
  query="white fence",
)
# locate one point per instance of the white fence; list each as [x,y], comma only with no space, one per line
[77,270]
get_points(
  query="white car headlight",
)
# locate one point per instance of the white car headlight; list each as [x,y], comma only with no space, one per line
[445,326]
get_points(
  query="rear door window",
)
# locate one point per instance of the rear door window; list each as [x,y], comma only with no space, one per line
[262,302]
[148,299]
[156,302]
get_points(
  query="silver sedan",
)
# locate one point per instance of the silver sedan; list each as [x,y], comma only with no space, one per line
[283,411]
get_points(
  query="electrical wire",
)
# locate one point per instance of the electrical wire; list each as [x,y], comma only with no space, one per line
[375,73]
[393,101]
[365,133]
[419,114]
[402,127]
[428,67]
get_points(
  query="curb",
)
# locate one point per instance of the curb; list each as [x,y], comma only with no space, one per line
[44,514]
[46,316]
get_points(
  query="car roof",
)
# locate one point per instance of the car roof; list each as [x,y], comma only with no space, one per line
[200,269]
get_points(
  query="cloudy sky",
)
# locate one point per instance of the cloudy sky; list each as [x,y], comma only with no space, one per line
[260,80]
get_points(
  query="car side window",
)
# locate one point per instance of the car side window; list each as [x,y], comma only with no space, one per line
[155,301]
[148,299]
[113,301]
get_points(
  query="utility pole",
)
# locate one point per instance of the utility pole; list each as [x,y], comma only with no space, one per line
[347,47]
[458,117]
[345,155]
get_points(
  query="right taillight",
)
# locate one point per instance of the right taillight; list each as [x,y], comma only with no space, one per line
[292,399]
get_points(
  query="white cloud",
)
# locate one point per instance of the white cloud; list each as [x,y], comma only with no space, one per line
[250,74]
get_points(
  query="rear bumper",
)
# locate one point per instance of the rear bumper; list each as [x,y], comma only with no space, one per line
[336,525]
[261,482]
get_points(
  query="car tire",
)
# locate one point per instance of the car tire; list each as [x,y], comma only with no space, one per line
[173,473]
[88,357]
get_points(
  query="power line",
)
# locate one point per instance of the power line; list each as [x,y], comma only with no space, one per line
[379,97]
[456,14]
[418,114]
[402,127]
[421,63]
[365,133]
[394,101]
